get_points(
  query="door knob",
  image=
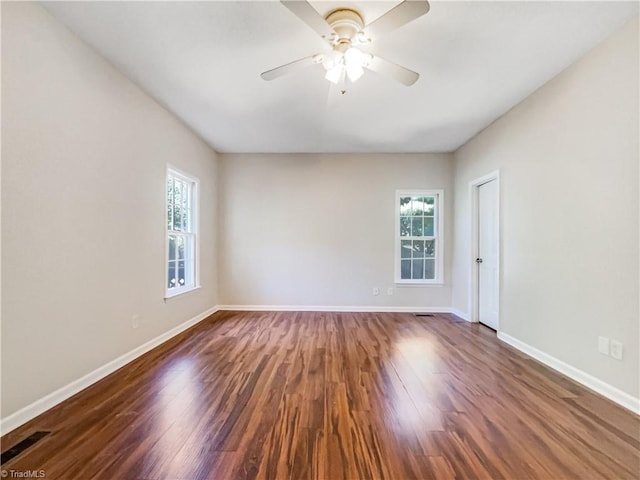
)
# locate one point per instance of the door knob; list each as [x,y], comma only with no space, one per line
[478,260]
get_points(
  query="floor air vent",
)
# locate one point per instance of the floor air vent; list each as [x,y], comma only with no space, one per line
[423,314]
[22,446]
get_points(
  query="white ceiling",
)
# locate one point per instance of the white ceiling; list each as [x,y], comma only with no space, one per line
[203,60]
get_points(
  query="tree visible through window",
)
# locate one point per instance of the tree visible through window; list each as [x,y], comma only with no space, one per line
[181,232]
[417,237]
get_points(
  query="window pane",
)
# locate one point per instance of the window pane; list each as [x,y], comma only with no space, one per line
[405,269]
[177,219]
[405,249]
[418,249]
[185,220]
[430,205]
[428,226]
[169,189]
[177,190]
[430,269]
[429,248]
[172,247]
[180,248]
[169,202]
[181,273]
[418,269]
[184,193]
[405,226]
[416,226]
[405,206]
[418,206]
[171,276]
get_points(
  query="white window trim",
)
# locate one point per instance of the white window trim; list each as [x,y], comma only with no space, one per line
[439,235]
[195,212]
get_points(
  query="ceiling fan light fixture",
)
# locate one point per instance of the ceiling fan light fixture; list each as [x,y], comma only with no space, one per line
[335,74]
[331,60]
[354,60]
[353,56]
[354,72]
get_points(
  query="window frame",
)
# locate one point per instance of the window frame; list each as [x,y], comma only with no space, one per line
[194,183]
[438,237]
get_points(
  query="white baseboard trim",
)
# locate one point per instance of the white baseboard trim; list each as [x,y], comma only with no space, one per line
[612,393]
[461,314]
[336,308]
[43,404]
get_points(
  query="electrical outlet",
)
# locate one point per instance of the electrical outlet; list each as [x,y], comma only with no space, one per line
[135,321]
[376,291]
[390,291]
[603,345]
[616,349]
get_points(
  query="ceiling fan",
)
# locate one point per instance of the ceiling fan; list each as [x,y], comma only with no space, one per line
[344,30]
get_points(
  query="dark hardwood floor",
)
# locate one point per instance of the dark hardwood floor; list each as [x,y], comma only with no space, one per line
[333,396]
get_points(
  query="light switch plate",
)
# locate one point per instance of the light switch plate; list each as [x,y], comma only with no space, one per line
[603,345]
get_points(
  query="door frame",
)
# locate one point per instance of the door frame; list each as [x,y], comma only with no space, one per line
[474,185]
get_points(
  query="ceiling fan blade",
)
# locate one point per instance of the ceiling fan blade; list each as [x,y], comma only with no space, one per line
[385,67]
[309,15]
[398,16]
[288,68]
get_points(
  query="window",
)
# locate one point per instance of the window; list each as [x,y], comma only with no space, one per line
[182,228]
[419,236]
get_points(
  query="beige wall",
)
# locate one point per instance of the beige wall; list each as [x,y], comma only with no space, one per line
[568,157]
[319,229]
[84,153]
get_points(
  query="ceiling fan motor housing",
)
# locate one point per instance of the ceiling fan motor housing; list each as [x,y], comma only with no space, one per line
[346,23]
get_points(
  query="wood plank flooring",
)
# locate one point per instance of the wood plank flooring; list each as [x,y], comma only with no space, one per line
[293,395]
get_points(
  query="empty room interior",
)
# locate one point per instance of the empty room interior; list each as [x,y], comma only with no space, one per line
[324,240]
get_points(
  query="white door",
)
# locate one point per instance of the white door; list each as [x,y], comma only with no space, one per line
[487,260]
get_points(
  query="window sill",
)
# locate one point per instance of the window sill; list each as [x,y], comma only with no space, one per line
[415,284]
[170,295]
